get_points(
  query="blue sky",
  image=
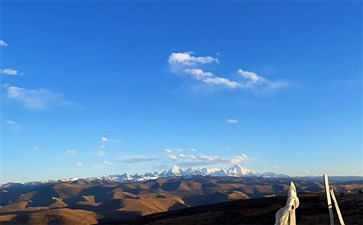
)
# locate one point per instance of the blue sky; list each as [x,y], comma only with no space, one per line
[94,88]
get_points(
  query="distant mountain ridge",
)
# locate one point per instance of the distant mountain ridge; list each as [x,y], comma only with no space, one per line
[175,171]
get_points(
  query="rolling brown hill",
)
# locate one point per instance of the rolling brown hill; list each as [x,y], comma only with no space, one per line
[75,202]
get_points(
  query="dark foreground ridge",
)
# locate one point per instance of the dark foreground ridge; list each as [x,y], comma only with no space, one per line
[312,210]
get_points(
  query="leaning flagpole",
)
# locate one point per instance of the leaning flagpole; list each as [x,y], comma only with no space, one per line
[327,191]
[337,207]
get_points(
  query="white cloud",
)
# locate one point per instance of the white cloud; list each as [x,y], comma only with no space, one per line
[210,78]
[102,164]
[9,72]
[252,80]
[36,99]
[231,121]
[274,85]
[186,58]
[212,159]
[199,73]
[100,153]
[71,152]
[10,122]
[78,164]
[172,157]
[106,163]
[3,43]
[104,139]
[191,157]
[193,149]
[167,150]
[222,81]
[250,76]
[35,149]
[185,63]
[175,150]
[239,159]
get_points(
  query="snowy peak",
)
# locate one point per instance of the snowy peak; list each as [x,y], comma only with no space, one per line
[175,171]
[219,173]
[273,175]
[236,167]
[238,171]
[189,172]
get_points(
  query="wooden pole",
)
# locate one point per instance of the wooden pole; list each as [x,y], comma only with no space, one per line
[337,207]
[326,182]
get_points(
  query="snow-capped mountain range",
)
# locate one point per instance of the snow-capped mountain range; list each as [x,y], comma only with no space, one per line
[175,171]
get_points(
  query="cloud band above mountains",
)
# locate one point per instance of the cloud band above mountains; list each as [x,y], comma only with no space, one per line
[185,160]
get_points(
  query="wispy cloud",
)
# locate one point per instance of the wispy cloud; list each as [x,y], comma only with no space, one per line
[186,160]
[10,72]
[10,122]
[100,153]
[221,81]
[106,163]
[237,159]
[251,77]
[104,139]
[210,78]
[231,121]
[102,164]
[205,160]
[173,157]
[139,159]
[36,149]
[199,73]
[36,99]
[71,152]
[190,157]
[184,63]
[3,43]
[253,80]
[170,150]
[167,150]
[78,164]
[108,140]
